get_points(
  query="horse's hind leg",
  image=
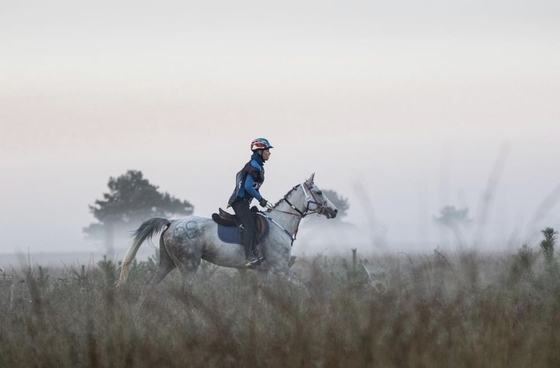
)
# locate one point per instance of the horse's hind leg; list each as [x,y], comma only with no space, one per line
[189,261]
[166,265]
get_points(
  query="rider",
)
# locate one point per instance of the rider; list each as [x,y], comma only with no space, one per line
[247,184]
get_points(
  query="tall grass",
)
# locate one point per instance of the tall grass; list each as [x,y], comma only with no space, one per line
[396,310]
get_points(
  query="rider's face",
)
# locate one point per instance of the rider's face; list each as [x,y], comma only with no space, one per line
[265,154]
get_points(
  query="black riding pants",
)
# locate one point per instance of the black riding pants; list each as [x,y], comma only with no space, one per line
[244,214]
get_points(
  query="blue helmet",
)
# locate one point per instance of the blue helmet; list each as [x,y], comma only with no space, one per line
[260,143]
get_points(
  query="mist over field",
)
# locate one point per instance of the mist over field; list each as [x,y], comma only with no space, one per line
[401,108]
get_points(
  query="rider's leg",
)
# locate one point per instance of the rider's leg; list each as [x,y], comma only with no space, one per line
[244,214]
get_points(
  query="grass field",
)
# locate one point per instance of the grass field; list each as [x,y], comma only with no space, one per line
[463,309]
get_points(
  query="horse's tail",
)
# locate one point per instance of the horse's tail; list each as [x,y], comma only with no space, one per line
[149,228]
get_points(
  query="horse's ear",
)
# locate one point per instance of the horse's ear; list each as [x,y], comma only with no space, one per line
[310,180]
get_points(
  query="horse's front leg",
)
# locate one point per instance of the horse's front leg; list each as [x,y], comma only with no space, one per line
[288,275]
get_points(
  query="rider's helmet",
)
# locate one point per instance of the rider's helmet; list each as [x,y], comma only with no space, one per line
[260,144]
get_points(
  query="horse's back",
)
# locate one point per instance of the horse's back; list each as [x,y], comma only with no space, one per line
[190,218]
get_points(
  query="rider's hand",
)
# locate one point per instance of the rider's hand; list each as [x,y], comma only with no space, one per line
[264,203]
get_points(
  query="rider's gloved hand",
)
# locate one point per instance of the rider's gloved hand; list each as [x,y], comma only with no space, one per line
[264,203]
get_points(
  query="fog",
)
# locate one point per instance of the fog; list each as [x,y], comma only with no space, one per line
[401,108]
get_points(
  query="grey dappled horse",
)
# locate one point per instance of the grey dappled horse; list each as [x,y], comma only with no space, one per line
[186,241]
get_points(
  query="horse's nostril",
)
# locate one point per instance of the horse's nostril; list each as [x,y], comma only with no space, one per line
[335,211]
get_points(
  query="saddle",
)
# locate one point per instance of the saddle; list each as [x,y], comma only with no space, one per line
[228,220]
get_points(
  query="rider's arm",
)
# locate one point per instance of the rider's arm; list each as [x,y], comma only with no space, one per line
[249,188]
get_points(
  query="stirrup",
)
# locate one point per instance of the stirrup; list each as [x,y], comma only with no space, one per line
[254,262]
[251,261]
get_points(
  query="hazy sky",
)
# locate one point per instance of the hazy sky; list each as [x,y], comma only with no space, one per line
[410,101]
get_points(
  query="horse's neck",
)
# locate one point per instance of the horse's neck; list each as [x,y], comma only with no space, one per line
[285,215]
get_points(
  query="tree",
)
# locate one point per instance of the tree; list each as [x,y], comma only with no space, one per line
[450,217]
[454,219]
[340,202]
[131,199]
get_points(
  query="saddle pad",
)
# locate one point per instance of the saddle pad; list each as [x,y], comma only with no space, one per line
[231,234]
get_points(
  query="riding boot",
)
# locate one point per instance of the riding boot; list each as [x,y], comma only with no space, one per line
[248,252]
[249,256]
[254,250]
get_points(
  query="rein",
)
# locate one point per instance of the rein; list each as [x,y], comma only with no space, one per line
[294,208]
[292,236]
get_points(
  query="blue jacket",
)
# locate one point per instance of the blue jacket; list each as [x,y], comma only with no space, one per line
[249,180]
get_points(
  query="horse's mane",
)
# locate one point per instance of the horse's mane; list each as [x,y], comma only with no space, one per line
[285,195]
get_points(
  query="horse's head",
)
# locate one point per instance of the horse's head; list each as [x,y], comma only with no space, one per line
[316,201]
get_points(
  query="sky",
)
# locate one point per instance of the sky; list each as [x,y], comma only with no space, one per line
[402,107]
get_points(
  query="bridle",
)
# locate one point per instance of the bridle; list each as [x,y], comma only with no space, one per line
[310,199]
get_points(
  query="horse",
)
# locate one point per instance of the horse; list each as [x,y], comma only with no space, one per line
[184,242]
